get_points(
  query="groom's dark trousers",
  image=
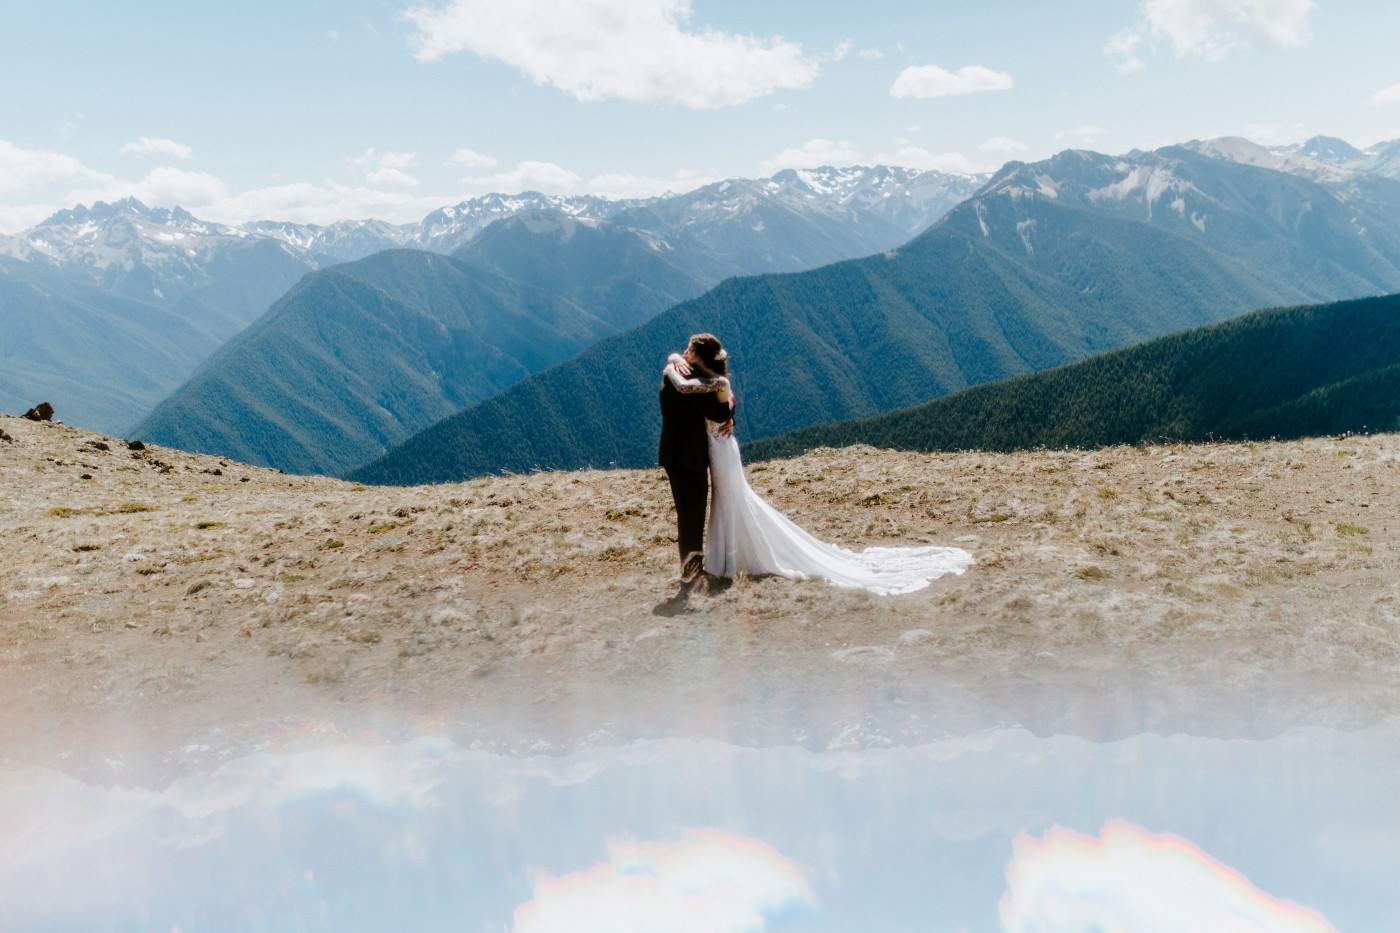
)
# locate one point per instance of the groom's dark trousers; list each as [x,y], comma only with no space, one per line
[685,455]
[690,489]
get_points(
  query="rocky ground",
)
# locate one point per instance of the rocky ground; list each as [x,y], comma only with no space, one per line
[154,596]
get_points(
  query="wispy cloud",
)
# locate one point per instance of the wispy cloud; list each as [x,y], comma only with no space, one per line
[633,50]
[471,159]
[932,81]
[148,145]
[1212,29]
[1088,134]
[386,168]
[1002,144]
[1390,95]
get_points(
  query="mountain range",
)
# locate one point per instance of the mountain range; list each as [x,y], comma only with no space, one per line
[120,271]
[1049,263]
[1283,373]
[618,271]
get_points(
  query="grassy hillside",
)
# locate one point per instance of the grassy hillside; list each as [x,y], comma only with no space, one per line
[1286,373]
[359,356]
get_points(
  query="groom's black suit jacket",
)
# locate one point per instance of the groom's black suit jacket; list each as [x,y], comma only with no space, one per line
[684,445]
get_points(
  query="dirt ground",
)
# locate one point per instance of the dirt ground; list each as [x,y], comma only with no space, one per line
[158,597]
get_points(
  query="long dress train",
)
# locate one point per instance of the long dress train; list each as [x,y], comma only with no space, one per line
[748,536]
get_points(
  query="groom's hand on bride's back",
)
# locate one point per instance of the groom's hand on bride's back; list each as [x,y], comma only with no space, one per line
[727,429]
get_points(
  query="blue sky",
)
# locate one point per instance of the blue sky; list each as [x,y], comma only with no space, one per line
[315,111]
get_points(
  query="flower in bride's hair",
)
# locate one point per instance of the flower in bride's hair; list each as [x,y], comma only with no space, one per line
[722,354]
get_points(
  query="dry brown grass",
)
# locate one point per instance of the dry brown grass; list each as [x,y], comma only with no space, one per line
[1231,588]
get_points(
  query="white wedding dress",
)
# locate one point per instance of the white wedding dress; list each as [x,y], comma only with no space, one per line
[748,536]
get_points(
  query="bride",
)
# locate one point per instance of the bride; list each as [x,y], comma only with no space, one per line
[748,536]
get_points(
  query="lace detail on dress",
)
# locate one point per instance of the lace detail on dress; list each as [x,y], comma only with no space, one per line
[694,384]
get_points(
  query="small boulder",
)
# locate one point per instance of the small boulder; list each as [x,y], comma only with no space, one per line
[41,412]
[135,445]
[5,437]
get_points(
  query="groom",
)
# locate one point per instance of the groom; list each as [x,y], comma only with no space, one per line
[685,456]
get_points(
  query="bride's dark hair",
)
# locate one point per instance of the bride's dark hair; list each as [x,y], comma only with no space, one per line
[712,355]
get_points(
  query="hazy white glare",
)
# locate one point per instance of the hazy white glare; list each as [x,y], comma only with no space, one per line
[711,881]
[633,50]
[1131,881]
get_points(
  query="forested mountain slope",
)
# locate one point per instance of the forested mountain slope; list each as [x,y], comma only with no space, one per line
[1050,263]
[1286,373]
[359,356]
[105,344]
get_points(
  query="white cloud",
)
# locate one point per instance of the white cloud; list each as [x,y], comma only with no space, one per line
[1211,29]
[147,145]
[814,153]
[1003,144]
[162,187]
[870,53]
[1131,881]
[17,217]
[627,185]
[26,170]
[1123,45]
[1390,95]
[471,159]
[708,882]
[390,176]
[545,177]
[634,50]
[841,51]
[920,158]
[932,81]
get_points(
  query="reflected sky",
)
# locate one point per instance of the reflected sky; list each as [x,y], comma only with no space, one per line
[998,831]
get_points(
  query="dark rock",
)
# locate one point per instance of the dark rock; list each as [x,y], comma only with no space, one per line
[135,445]
[5,437]
[98,445]
[41,412]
